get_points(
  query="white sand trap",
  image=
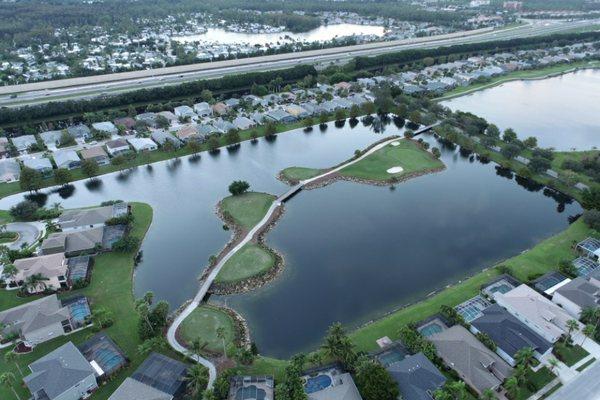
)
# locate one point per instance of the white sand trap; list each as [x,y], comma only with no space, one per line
[395,170]
[396,143]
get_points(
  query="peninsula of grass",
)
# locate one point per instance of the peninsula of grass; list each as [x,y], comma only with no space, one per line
[203,323]
[252,260]
[407,154]
[111,287]
[247,209]
[294,175]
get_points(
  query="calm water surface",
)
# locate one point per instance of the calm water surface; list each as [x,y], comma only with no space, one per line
[320,34]
[562,112]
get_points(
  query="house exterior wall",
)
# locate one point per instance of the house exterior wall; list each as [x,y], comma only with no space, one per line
[573,309]
[79,390]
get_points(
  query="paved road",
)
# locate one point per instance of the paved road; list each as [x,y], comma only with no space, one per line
[29,232]
[585,387]
[89,87]
[207,282]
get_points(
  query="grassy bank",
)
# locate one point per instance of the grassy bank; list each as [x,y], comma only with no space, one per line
[111,287]
[203,323]
[407,155]
[294,174]
[519,75]
[247,209]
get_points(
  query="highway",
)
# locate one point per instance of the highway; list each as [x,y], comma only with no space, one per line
[89,87]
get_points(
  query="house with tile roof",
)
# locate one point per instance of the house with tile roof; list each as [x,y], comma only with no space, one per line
[417,377]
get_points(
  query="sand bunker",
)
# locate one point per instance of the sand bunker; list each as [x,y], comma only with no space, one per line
[396,143]
[395,170]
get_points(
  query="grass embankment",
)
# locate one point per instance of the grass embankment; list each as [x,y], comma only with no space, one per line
[296,174]
[519,75]
[111,287]
[203,324]
[247,209]
[407,154]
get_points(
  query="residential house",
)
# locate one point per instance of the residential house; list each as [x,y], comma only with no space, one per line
[157,378]
[343,103]
[52,267]
[342,387]
[90,217]
[204,130]
[161,137]
[4,147]
[243,123]
[63,374]
[342,86]
[185,112]
[417,377]
[42,165]
[280,116]
[188,132]
[477,365]
[148,118]
[232,102]
[142,144]
[296,111]
[589,247]
[220,108]
[577,295]
[172,118]
[223,126]
[534,310]
[10,171]
[37,321]
[97,154]
[127,122]
[67,159]
[203,109]
[79,131]
[117,147]
[51,138]
[106,128]
[22,143]
[74,243]
[509,334]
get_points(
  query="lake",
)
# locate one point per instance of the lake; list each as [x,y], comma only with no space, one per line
[352,251]
[320,34]
[562,112]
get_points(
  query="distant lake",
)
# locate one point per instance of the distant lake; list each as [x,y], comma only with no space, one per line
[322,33]
[562,112]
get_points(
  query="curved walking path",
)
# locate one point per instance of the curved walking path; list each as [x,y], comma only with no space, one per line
[207,282]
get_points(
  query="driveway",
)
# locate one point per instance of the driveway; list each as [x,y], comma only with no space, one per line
[586,386]
[29,232]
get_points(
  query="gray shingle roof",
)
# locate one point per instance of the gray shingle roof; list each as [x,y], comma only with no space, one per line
[58,371]
[34,315]
[131,389]
[417,377]
[581,292]
[509,334]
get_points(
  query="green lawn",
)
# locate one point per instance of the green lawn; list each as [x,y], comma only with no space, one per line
[294,174]
[111,287]
[539,379]
[408,155]
[8,237]
[5,217]
[569,355]
[251,260]
[561,156]
[247,209]
[552,390]
[586,364]
[203,323]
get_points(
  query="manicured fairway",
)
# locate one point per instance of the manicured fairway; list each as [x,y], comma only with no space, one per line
[247,209]
[251,260]
[300,173]
[407,154]
[203,323]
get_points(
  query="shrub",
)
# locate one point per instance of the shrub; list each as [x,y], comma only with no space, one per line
[126,244]
[26,210]
[592,219]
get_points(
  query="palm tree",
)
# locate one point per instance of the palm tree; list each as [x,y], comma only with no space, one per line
[11,356]
[197,378]
[553,363]
[196,346]
[152,344]
[316,358]
[524,356]
[221,334]
[10,271]
[512,386]
[34,282]
[520,373]
[458,389]
[572,325]
[588,331]
[8,379]
[488,394]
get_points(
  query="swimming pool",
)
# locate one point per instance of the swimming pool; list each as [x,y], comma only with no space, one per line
[431,329]
[250,393]
[317,383]
[79,310]
[391,356]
